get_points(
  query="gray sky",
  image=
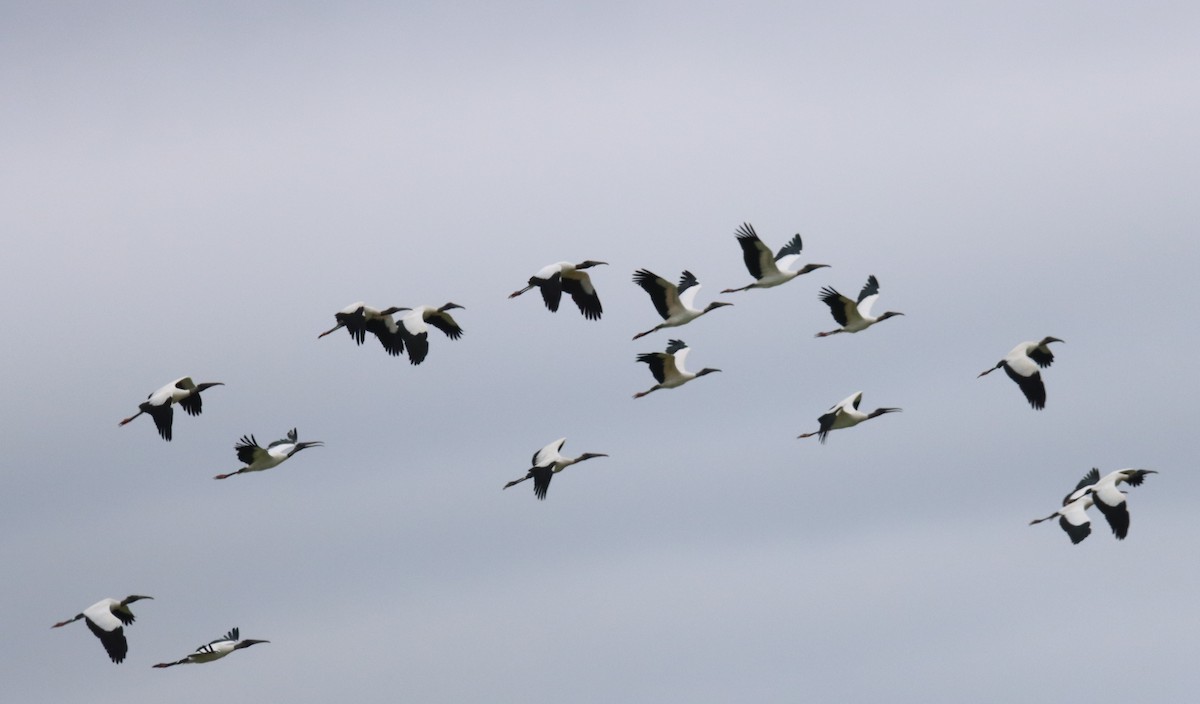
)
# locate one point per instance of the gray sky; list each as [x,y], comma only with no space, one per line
[195,188]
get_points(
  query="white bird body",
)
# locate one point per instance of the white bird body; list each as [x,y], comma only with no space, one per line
[413,328]
[667,367]
[547,462]
[675,304]
[845,415]
[854,315]
[1073,518]
[215,650]
[556,278]
[182,391]
[1022,366]
[359,318]
[107,619]
[769,271]
[257,458]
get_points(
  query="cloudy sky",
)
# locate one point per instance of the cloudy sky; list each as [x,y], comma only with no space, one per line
[195,188]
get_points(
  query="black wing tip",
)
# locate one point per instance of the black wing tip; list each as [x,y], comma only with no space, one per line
[746,232]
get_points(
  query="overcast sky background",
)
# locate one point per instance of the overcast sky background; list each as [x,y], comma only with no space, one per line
[195,188]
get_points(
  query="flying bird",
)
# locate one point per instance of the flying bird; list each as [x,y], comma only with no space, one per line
[107,619]
[667,367]
[257,458]
[768,270]
[547,462]
[1021,365]
[1108,497]
[676,304]
[215,650]
[413,332]
[1072,517]
[183,391]
[845,415]
[854,316]
[565,276]
[360,318]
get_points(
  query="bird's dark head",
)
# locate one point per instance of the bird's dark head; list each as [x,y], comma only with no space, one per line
[811,267]
[589,263]
[706,370]
[590,455]
[393,310]
[889,314]
[450,306]
[134,597]
[881,411]
[248,642]
[989,370]
[1048,340]
[305,445]
[208,385]
[716,304]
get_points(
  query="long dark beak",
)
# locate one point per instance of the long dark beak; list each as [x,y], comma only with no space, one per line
[315,443]
[339,325]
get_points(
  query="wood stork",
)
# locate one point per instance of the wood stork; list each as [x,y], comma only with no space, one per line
[845,415]
[215,650]
[107,619]
[414,333]
[667,367]
[360,318]
[183,391]
[1108,497]
[565,276]
[547,462]
[257,458]
[1073,518]
[854,316]
[1021,365]
[768,271]
[674,303]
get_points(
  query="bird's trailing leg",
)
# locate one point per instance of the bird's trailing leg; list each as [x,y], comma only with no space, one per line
[514,294]
[171,664]
[653,329]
